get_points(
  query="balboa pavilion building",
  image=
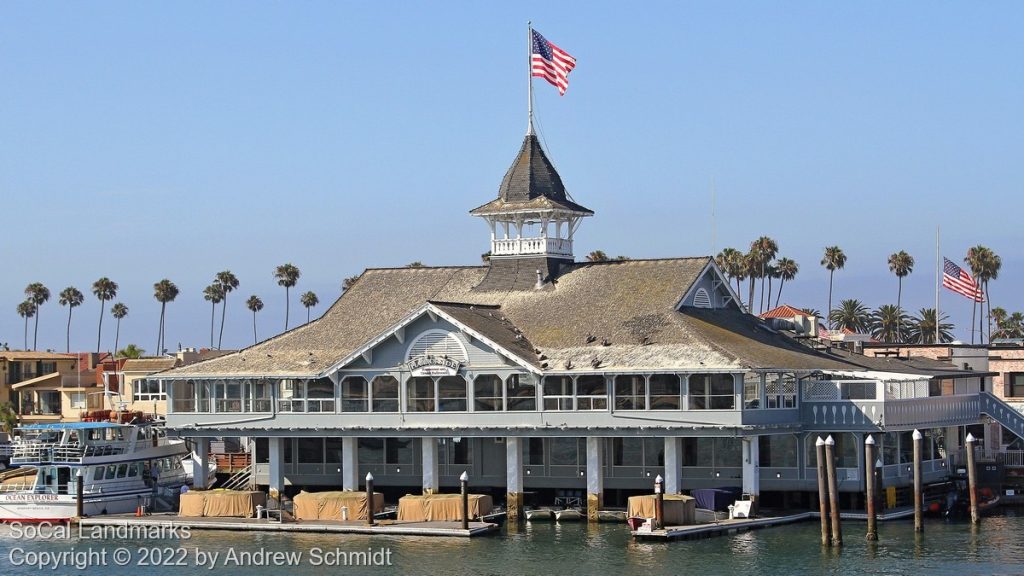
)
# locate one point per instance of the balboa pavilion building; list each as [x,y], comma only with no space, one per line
[539,374]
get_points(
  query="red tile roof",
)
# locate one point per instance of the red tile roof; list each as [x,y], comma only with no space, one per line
[784,311]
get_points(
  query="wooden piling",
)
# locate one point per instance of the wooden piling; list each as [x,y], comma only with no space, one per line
[822,493]
[918,495]
[869,485]
[833,491]
[972,479]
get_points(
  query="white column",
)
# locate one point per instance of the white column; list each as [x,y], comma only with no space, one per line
[200,462]
[595,476]
[275,451]
[350,463]
[430,467]
[673,465]
[752,467]
[514,477]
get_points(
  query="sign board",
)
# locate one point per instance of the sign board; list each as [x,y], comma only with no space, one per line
[433,366]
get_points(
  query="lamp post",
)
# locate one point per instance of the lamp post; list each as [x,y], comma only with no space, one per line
[869,481]
[659,502]
[918,505]
[369,498]
[464,486]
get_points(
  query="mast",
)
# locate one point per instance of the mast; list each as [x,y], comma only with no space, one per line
[529,78]
[938,282]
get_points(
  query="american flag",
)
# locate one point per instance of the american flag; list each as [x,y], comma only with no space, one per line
[550,62]
[958,280]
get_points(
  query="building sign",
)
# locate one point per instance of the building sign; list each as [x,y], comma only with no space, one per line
[433,366]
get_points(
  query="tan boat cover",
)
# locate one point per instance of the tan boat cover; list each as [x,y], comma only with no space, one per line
[441,507]
[221,503]
[679,510]
[328,505]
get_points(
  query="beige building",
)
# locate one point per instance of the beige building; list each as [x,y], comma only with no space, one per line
[136,394]
[44,386]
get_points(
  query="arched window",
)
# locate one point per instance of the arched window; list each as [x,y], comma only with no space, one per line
[701,299]
[440,343]
[385,394]
[451,394]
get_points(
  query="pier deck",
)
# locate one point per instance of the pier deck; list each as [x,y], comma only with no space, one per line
[382,527]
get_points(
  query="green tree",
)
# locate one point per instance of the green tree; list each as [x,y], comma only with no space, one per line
[765,250]
[348,282]
[164,291]
[901,264]
[26,310]
[228,283]
[833,260]
[104,289]
[214,294]
[887,324]
[309,300]
[851,315]
[415,264]
[287,275]
[486,257]
[1015,325]
[788,270]
[39,295]
[597,256]
[730,260]
[72,298]
[975,260]
[118,311]
[255,305]
[921,329]
[8,418]
[131,351]
[991,265]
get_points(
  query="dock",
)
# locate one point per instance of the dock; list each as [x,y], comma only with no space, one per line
[380,528]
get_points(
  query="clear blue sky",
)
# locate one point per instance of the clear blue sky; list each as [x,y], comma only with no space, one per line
[143,140]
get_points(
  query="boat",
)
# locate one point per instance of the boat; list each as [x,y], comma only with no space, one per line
[569,515]
[540,514]
[121,468]
[958,504]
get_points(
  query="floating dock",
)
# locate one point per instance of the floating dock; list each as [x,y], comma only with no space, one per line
[381,527]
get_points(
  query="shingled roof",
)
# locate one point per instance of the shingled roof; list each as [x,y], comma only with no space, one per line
[531,183]
[606,316]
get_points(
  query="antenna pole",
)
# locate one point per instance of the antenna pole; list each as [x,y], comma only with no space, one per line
[938,282]
[529,78]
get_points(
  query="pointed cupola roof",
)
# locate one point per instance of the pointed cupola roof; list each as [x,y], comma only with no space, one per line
[531,183]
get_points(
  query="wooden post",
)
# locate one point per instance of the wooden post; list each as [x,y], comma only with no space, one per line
[869,484]
[822,493]
[833,491]
[972,479]
[464,485]
[369,498]
[918,506]
[659,502]
[79,493]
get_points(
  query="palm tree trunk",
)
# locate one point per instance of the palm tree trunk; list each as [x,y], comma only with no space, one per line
[899,310]
[738,289]
[779,298]
[750,300]
[988,308]
[223,313]
[213,314]
[254,340]
[307,314]
[99,331]
[974,306]
[769,291]
[287,303]
[26,332]
[35,331]
[68,340]
[160,335]
[117,335]
[828,313]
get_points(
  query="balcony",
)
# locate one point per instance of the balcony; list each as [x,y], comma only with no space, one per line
[531,246]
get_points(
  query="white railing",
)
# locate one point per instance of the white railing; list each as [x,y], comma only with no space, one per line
[520,246]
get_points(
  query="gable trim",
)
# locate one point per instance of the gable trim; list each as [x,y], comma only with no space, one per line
[721,280]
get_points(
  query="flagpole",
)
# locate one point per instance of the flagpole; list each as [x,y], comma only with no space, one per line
[529,77]
[938,280]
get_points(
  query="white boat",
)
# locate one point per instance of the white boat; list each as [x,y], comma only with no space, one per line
[120,466]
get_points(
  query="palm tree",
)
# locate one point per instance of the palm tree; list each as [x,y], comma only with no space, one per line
[255,305]
[309,300]
[164,291]
[414,264]
[131,351]
[991,264]
[833,260]
[788,270]
[214,294]
[975,261]
[887,322]
[751,268]
[921,329]
[26,310]
[228,282]
[766,250]
[772,272]
[851,315]
[39,295]
[348,282]
[287,275]
[104,289]
[72,298]
[1015,325]
[730,260]
[901,264]
[597,256]
[118,311]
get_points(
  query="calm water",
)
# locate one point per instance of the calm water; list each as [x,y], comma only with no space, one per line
[568,550]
